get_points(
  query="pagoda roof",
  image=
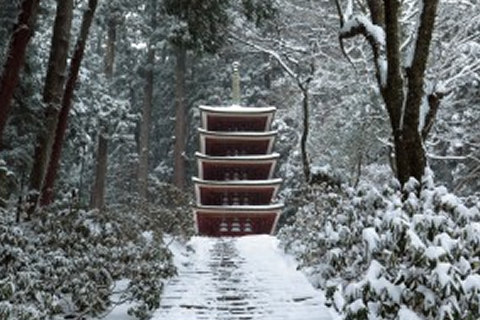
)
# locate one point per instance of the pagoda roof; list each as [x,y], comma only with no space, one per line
[238,134]
[274,207]
[239,158]
[238,183]
[237,109]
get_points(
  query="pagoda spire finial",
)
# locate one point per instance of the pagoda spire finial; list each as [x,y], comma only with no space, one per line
[236,83]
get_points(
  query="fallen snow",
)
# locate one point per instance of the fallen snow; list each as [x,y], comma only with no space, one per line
[407,314]
[472,284]
[435,252]
[237,278]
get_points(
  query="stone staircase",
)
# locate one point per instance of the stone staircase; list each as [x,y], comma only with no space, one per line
[239,279]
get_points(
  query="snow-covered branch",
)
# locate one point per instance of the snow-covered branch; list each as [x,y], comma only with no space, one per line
[375,35]
[272,53]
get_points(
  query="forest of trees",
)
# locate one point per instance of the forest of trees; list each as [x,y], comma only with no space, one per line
[378,107]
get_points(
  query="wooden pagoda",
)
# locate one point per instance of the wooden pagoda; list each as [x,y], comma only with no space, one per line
[235,189]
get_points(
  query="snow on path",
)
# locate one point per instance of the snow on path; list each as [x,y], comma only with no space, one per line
[239,278]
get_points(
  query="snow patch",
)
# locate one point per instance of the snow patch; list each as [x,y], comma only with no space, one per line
[435,252]
[406,314]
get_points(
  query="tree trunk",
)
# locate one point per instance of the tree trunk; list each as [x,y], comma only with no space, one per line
[22,32]
[416,162]
[52,98]
[180,117]
[47,191]
[267,76]
[145,127]
[97,200]
[407,95]
[110,50]
[304,139]
[147,110]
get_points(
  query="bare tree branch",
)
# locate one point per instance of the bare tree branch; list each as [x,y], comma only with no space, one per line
[272,53]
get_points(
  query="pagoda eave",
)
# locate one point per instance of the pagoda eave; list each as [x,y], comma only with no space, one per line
[238,183]
[245,209]
[237,109]
[238,134]
[241,158]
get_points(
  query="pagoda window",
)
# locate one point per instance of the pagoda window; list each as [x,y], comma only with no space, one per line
[225,200]
[235,199]
[247,227]
[235,225]
[223,226]
[236,175]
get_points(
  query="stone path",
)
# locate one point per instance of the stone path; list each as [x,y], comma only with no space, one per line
[239,279]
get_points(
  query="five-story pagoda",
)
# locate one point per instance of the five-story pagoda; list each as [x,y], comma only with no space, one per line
[235,188]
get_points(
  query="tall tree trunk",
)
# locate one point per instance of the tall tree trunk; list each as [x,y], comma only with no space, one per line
[416,161]
[110,49]
[87,18]
[404,96]
[146,116]
[22,32]
[97,198]
[267,76]
[180,117]
[304,139]
[52,98]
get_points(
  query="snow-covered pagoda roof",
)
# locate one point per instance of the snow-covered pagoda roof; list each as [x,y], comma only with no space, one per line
[237,109]
[240,208]
[239,158]
[238,183]
[219,118]
[238,134]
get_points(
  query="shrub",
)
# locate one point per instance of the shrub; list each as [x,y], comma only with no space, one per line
[69,261]
[381,255]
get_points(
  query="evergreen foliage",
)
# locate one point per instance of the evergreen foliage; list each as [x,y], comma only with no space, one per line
[379,256]
[70,261]
[198,25]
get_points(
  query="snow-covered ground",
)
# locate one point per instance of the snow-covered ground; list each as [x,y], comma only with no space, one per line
[237,278]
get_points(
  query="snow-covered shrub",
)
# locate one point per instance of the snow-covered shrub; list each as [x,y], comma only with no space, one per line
[68,262]
[7,183]
[382,255]
[170,209]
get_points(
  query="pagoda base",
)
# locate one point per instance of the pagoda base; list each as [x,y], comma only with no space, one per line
[234,225]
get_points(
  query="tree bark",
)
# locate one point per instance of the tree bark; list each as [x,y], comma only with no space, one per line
[22,32]
[305,132]
[416,163]
[180,117]
[97,200]
[52,98]
[409,149]
[146,116]
[110,49]
[75,63]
